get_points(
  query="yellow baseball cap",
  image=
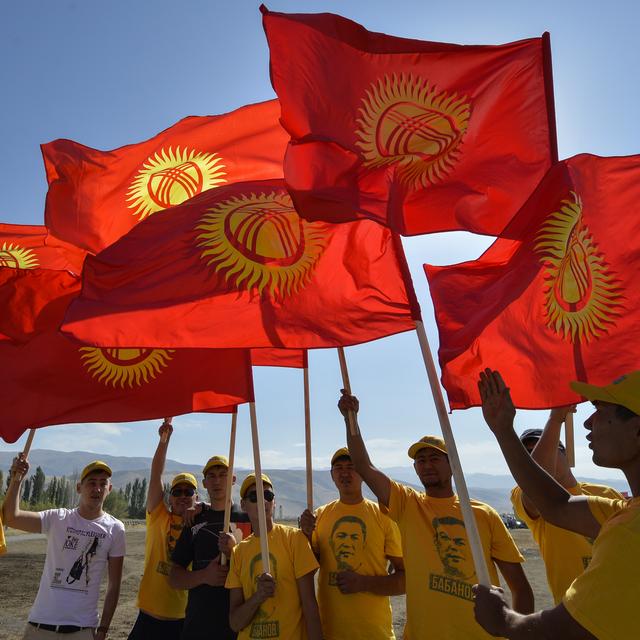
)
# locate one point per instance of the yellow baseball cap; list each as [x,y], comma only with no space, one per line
[428,442]
[251,479]
[184,478]
[340,453]
[215,461]
[96,465]
[624,391]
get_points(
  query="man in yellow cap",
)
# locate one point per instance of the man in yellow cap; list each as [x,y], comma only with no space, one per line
[438,564]
[565,554]
[162,608]
[602,602]
[81,544]
[354,542]
[281,603]
[207,613]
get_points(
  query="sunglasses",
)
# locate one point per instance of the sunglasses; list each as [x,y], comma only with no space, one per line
[178,493]
[253,496]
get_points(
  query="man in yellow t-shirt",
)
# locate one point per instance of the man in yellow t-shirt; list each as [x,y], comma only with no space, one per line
[162,609]
[565,554]
[280,605]
[438,564]
[602,602]
[354,542]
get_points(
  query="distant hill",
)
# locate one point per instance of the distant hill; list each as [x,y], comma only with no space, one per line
[290,483]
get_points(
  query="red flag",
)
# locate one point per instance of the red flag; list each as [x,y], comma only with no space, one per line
[51,380]
[32,246]
[237,267]
[294,358]
[419,136]
[95,196]
[556,303]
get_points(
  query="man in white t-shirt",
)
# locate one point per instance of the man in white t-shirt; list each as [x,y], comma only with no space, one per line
[81,544]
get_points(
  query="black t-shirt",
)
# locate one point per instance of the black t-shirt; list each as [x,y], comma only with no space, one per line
[207,614]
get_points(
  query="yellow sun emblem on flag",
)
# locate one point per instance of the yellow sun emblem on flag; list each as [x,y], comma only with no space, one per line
[171,177]
[405,121]
[582,294]
[125,367]
[258,241]
[11,255]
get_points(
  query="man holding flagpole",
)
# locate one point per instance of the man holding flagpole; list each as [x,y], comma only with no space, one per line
[438,564]
[602,602]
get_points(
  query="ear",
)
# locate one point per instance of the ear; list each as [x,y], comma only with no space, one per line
[78,485]
[110,488]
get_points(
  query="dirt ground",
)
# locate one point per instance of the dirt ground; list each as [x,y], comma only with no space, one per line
[21,567]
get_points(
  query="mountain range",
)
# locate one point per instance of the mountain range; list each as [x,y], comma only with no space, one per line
[289,483]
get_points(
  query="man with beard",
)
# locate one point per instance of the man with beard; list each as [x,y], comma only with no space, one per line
[354,542]
[439,574]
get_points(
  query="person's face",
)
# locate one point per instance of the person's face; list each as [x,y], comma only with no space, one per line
[615,442]
[251,508]
[347,541]
[345,477]
[94,489]
[215,482]
[451,540]
[181,502]
[433,469]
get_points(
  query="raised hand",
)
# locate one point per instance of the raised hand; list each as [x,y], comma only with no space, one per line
[559,414]
[266,587]
[348,403]
[165,431]
[497,406]
[490,609]
[20,466]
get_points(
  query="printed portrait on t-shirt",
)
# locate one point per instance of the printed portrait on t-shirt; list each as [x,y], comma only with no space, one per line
[347,541]
[450,538]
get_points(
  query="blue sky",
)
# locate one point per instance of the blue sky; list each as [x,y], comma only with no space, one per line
[112,73]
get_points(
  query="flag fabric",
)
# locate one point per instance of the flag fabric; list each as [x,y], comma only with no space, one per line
[95,196]
[50,379]
[558,300]
[419,136]
[32,246]
[237,267]
[294,358]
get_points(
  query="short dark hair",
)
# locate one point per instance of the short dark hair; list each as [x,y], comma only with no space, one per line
[622,413]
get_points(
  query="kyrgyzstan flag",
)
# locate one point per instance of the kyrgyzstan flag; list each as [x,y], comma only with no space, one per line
[50,379]
[419,136]
[96,196]
[556,302]
[237,267]
[293,358]
[32,246]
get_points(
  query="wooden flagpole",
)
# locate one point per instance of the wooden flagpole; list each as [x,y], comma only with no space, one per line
[307,436]
[347,387]
[262,515]
[25,454]
[227,501]
[454,460]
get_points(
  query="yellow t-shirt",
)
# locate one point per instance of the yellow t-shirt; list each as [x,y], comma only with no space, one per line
[291,558]
[155,596]
[565,554]
[356,537]
[438,563]
[604,599]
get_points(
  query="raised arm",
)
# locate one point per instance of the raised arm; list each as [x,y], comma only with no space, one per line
[111,597]
[521,591]
[156,490]
[377,481]
[13,515]
[554,503]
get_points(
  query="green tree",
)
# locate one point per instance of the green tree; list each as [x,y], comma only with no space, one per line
[52,488]
[116,504]
[26,490]
[1,483]
[37,488]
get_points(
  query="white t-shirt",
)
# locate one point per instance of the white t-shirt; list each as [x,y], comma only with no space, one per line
[77,553]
